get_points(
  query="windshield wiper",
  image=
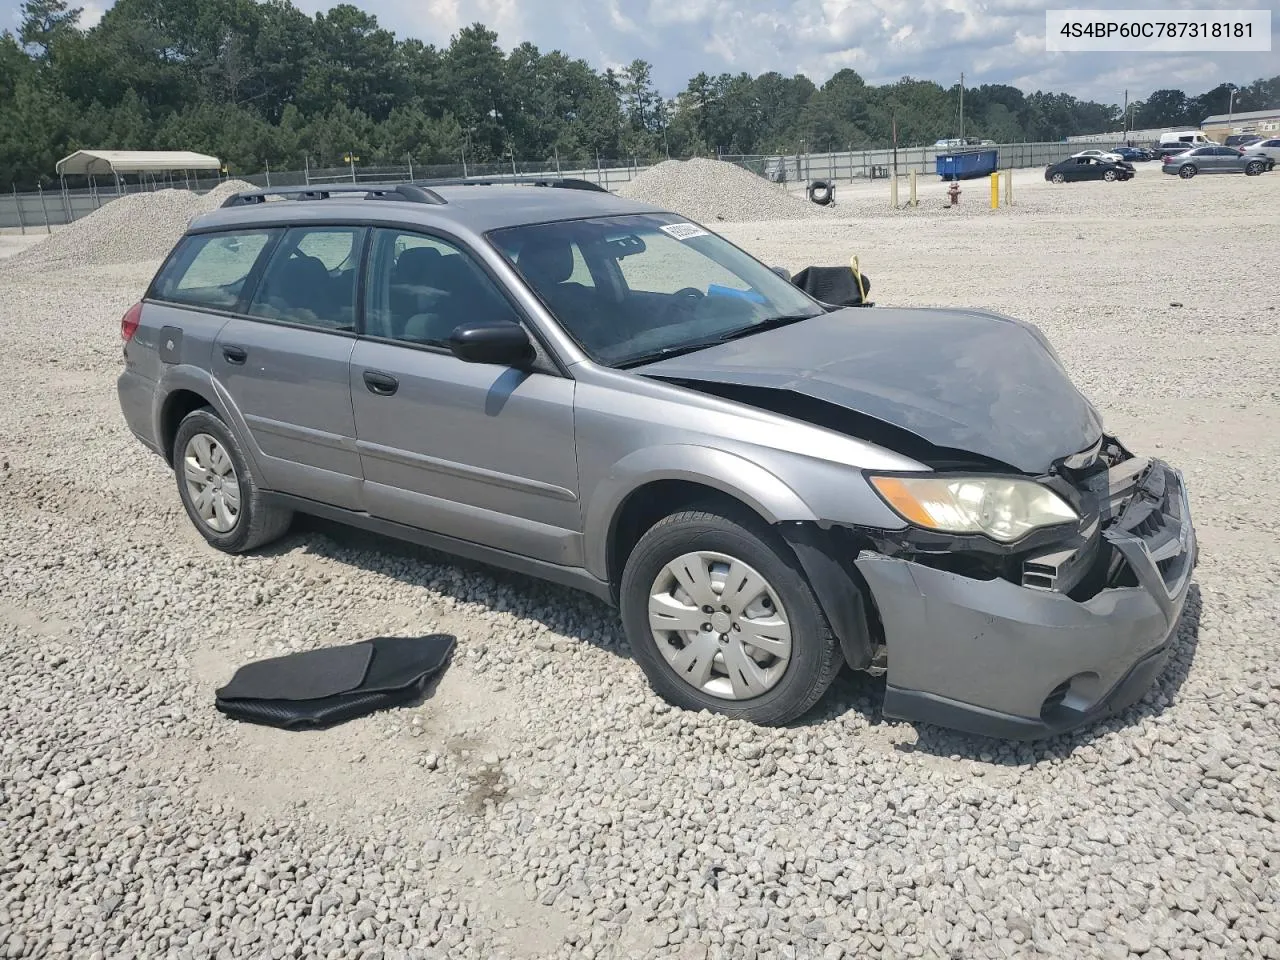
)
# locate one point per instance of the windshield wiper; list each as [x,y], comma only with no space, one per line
[679,349]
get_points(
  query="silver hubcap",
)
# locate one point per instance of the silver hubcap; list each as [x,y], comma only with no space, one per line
[212,483]
[720,625]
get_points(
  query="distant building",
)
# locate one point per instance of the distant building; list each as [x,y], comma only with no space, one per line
[1252,121]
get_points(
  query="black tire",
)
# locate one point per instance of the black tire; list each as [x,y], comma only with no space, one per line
[1253,169]
[1110,176]
[821,192]
[1059,178]
[260,520]
[815,658]
[1187,171]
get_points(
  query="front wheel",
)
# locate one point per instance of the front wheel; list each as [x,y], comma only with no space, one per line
[1187,171]
[1109,176]
[720,618]
[1059,178]
[1253,169]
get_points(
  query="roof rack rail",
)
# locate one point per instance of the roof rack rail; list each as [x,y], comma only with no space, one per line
[567,183]
[411,192]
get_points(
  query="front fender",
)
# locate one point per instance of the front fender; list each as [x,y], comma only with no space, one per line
[729,473]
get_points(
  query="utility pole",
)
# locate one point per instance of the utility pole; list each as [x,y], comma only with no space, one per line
[962,106]
[1125,137]
[1231,100]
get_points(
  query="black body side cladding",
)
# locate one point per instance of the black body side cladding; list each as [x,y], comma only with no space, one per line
[835,585]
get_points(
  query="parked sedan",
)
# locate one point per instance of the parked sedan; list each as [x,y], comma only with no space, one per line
[1133,154]
[1264,149]
[1215,160]
[1105,155]
[1088,168]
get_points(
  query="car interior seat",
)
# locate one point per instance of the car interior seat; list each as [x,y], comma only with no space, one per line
[547,263]
[413,290]
[299,289]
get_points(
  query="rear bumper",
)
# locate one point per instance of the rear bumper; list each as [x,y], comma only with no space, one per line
[996,659]
[136,394]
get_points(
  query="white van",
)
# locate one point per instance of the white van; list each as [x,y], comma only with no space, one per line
[1192,138]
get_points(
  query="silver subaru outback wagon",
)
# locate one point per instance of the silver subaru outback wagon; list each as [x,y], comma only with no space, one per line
[603,394]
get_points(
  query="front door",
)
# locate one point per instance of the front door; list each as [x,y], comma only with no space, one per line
[479,452]
[286,366]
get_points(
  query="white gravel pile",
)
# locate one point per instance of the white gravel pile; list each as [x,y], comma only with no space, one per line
[137,226]
[711,191]
[543,803]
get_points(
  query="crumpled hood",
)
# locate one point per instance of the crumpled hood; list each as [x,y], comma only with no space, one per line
[983,383]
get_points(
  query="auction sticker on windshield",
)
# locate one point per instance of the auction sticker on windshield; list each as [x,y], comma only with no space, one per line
[683,231]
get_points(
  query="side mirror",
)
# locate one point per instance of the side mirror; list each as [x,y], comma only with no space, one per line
[783,272]
[502,342]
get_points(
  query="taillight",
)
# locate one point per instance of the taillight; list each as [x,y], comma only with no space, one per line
[129,322]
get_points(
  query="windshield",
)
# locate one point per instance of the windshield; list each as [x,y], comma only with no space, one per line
[633,288]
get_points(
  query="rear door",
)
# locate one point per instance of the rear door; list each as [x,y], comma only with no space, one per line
[286,364]
[479,452]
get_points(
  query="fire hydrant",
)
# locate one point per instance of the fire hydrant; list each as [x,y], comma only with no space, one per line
[954,193]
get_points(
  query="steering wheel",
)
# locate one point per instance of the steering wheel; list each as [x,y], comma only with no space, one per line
[678,302]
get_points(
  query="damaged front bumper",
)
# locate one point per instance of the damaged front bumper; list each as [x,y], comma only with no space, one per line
[996,658]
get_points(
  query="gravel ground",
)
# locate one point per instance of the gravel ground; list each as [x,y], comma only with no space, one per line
[712,191]
[542,802]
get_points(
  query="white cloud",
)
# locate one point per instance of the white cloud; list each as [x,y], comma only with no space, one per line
[91,13]
[991,41]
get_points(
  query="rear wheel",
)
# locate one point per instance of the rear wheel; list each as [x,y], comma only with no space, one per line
[1059,178]
[1187,171]
[720,618]
[1254,168]
[217,488]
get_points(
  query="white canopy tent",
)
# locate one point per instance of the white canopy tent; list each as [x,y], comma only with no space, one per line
[102,162]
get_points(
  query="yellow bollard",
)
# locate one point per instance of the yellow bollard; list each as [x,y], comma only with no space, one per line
[995,191]
[913,188]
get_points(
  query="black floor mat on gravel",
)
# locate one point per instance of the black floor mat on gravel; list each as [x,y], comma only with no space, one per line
[315,689]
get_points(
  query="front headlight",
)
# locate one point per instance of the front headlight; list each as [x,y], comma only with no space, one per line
[1004,509]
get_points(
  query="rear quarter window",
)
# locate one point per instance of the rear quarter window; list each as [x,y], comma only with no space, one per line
[209,270]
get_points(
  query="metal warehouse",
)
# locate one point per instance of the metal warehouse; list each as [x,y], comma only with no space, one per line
[1255,121]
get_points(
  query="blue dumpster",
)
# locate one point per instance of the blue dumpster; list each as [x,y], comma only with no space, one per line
[967,164]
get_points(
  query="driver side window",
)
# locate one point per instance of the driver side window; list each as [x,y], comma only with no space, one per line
[421,288]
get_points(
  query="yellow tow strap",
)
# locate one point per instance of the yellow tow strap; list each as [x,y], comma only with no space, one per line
[862,290]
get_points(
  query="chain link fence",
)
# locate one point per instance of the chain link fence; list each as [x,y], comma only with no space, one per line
[42,210]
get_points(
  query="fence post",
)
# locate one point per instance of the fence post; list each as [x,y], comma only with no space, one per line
[410,158]
[306,168]
[893,190]
[43,209]
[268,166]
[66,200]
[913,189]
[17,208]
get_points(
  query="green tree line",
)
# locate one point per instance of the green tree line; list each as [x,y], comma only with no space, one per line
[258,82]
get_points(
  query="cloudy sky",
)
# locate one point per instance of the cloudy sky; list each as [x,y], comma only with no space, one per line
[991,41]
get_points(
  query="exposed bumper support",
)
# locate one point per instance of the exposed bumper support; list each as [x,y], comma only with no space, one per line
[997,659]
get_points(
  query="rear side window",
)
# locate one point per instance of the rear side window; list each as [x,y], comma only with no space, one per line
[311,278]
[209,270]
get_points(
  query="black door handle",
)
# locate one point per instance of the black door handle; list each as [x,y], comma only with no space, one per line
[380,383]
[235,354]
